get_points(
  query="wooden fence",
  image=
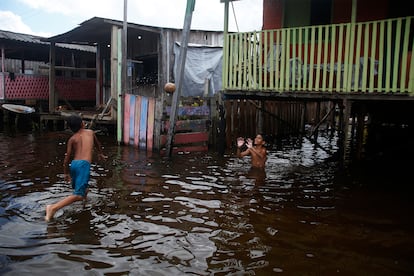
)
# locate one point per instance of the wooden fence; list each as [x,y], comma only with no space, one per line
[273,118]
[139,119]
[36,87]
[191,130]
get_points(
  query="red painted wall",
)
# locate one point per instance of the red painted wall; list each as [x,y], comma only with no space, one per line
[367,10]
[341,11]
[37,87]
[272,14]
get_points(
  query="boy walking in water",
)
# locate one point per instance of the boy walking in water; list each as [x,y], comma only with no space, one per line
[80,145]
[256,149]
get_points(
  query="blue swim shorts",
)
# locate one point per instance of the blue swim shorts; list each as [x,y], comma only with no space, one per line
[79,172]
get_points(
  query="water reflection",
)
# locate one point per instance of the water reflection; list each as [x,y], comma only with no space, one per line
[201,214]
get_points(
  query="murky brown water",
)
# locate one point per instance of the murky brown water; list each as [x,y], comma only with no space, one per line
[201,214]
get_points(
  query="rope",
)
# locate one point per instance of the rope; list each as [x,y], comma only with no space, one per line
[234,14]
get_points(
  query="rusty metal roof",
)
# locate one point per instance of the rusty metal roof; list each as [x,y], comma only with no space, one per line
[27,38]
[6,35]
[98,30]
[36,48]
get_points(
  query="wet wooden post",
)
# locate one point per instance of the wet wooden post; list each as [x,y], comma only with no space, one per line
[260,117]
[360,131]
[120,117]
[3,59]
[317,120]
[98,64]
[122,70]
[345,129]
[332,120]
[52,76]
[180,78]
[225,42]
[115,109]
[303,117]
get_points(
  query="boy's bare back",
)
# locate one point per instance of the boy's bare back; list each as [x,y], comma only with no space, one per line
[81,145]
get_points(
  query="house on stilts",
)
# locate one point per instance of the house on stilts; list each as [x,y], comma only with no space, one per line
[339,64]
[343,64]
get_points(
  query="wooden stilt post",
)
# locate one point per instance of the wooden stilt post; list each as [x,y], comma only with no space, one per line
[345,129]
[120,117]
[260,118]
[332,122]
[303,117]
[52,76]
[360,131]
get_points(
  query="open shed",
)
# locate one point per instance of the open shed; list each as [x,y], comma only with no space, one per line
[149,61]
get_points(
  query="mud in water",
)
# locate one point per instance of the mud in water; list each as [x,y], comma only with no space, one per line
[203,214]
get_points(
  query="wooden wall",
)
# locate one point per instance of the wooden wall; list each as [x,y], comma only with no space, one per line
[247,118]
[192,127]
[139,121]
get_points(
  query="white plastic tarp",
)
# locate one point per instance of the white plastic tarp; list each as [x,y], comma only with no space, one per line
[203,65]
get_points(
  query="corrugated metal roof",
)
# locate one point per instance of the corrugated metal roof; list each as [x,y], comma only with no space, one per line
[98,30]
[27,38]
[6,35]
[85,48]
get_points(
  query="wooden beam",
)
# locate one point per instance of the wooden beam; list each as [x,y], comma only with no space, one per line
[180,77]
[67,68]
[187,138]
[52,76]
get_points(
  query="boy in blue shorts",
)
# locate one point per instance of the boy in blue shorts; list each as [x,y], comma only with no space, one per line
[80,146]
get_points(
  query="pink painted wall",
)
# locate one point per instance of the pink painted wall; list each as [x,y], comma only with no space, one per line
[24,87]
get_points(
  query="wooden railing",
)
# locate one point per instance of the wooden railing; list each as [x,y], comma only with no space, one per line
[24,86]
[365,57]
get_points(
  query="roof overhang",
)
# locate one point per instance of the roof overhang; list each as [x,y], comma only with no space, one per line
[98,30]
[34,48]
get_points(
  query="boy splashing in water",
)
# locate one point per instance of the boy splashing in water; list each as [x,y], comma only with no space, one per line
[256,149]
[80,145]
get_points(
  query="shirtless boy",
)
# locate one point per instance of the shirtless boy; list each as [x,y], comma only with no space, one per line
[80,145]
[256,149]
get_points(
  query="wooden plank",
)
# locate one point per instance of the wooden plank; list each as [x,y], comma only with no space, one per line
[131,119]
[203,110]
[229,122]
[151,119]
[143,123]
[189,125]
[180,70]
[137,120]
[2,86]
[126,118]
[187,138]
[116,87]
[202,148]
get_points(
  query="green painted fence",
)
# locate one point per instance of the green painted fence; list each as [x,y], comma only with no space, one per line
[365,57]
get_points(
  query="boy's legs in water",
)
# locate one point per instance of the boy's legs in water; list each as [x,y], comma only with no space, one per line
[80,170]
[53,208]
[85,198]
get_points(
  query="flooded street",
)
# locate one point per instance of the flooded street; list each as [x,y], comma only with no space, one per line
[202,214]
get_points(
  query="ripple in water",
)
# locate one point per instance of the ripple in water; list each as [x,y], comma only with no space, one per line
[198,214]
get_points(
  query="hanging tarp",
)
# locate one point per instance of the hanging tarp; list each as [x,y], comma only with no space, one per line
[203,69]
